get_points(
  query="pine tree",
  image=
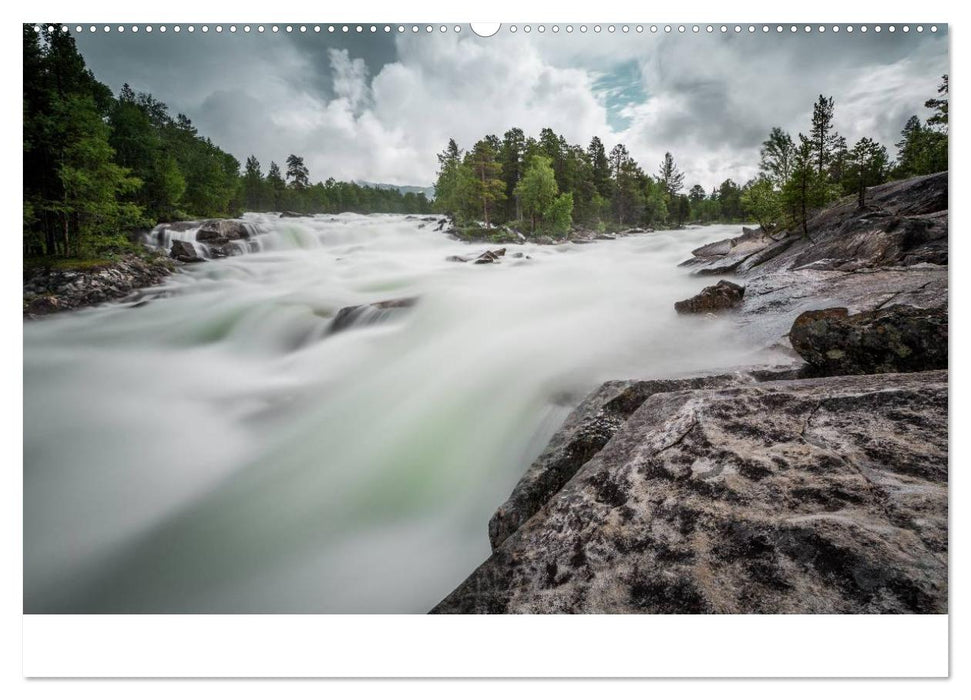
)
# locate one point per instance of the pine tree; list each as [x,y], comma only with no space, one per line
[776,156]
[807,188]
[939,105]
[253,184]
[600,167]
[511,153]
[821,134]
[447,183]
[298,177]
[867,166]
[277,187]
[483,185]
[670,176]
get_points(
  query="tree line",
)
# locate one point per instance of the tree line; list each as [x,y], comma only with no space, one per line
[546,186]
[798,176]
[97,166]
[293,191]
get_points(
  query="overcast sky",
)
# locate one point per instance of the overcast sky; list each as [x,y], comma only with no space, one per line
[379,107]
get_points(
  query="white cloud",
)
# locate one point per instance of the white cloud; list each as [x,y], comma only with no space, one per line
[709,99]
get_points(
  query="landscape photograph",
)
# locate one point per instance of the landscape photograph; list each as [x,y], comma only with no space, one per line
[403,319]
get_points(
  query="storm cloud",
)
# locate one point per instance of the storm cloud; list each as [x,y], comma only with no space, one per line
[379,106]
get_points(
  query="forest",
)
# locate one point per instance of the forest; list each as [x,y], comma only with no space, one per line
[547,186]
[97,166]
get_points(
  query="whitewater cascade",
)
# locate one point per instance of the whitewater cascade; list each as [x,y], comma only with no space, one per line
[218,449]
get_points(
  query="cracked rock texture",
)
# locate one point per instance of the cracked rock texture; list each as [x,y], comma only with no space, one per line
[585,431]
[801,496]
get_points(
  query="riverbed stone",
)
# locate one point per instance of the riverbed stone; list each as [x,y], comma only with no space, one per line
[185,252]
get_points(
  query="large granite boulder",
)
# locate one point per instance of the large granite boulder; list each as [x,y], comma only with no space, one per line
[802,496]
[220,231]
[183,251]
[899,338]
[714,299]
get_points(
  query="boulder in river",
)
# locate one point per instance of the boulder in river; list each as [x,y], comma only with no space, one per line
[219,231]
[898,338]
[368,314]
[718,297]
[820,495]
[183,251]
[490,256]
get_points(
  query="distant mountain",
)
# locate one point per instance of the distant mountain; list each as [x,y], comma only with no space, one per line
[403,189]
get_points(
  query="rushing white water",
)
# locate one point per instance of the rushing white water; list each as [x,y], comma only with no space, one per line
[215,450]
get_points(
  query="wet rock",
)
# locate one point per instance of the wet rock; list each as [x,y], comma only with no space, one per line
[490,256]
[898,338]
[291,215]
[220,231]
[369,314]
[801,496]
[730,254]
[718,297]
[47,290]
[42,305]
[183,251]
[583,434]
[456,258]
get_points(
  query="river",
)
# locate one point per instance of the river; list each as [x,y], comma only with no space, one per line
[216,450]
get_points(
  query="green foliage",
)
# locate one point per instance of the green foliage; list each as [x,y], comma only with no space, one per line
[558,216]
[776,156]
[669,176]
[763,203]
[96,166]
[537,189]
[867,166]
[808,188]
[480,187]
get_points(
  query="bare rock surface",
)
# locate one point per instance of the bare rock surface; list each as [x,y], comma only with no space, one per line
[584,433]
[904,223]
[820,495]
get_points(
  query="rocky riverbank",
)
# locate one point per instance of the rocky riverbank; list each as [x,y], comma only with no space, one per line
[816,488]
[50,289]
